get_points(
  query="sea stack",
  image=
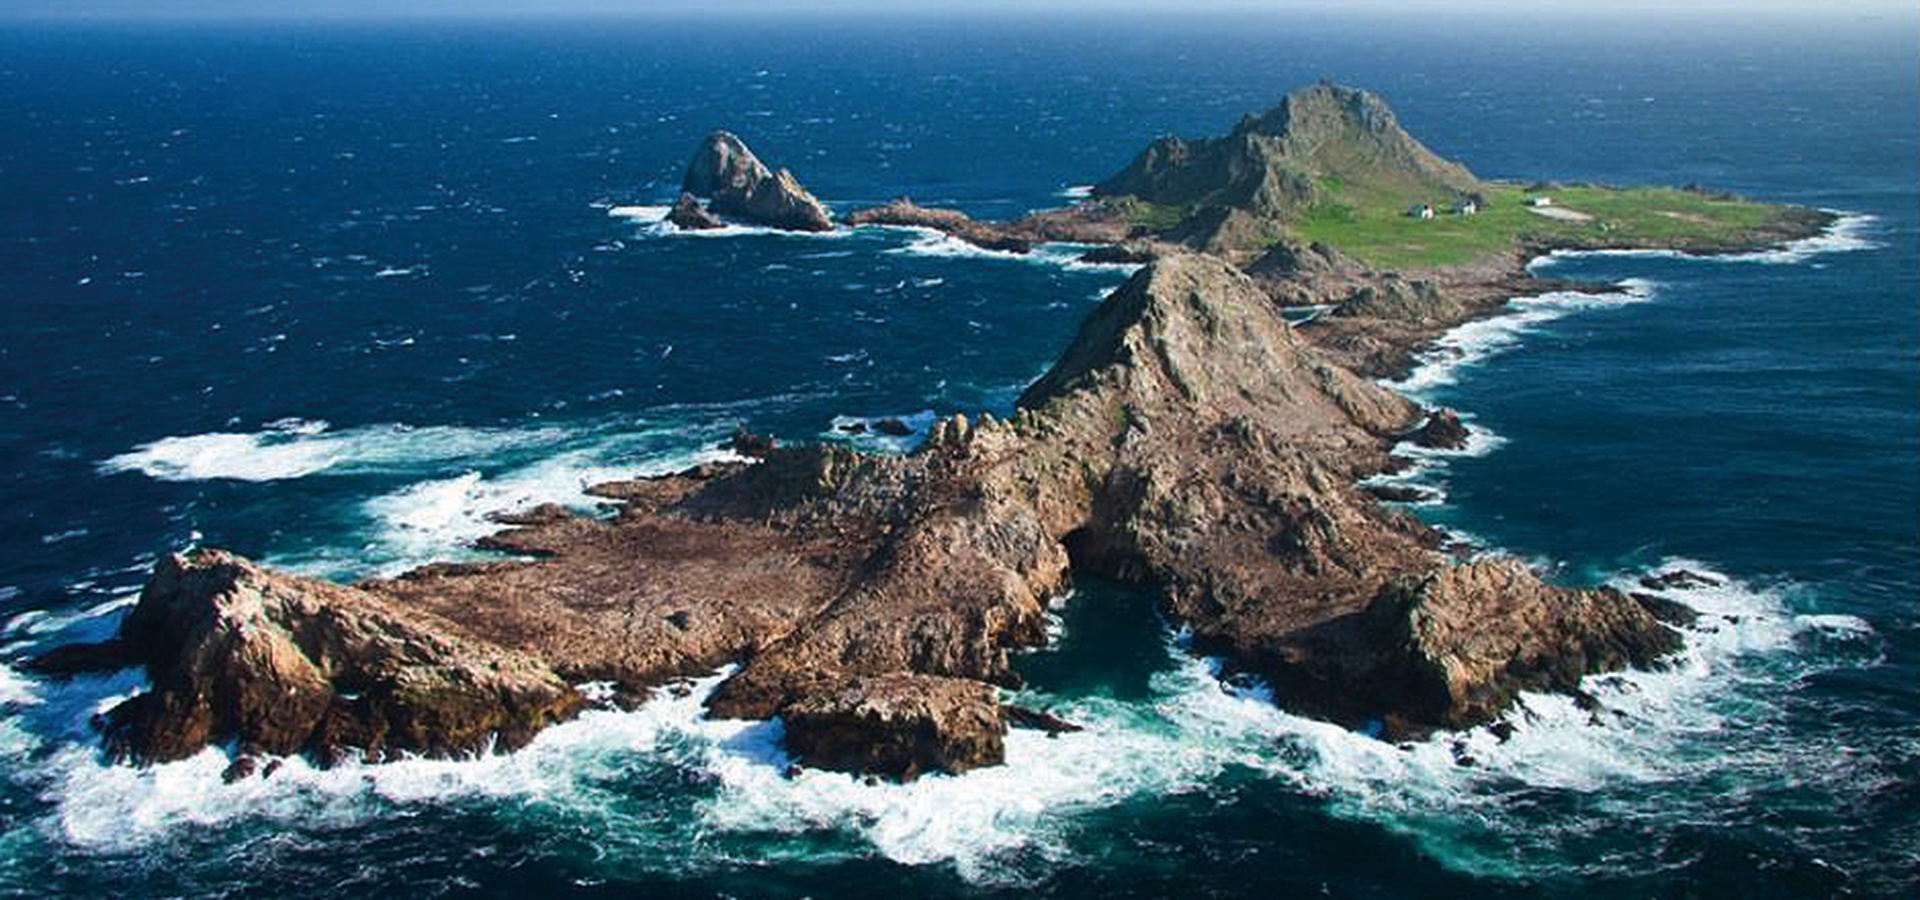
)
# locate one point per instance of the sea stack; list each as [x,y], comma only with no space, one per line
[737,184]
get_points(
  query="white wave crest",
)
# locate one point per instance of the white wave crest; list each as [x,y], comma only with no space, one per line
[439,519]
[1476,341]
[653,222]
[865,431]
[1651,729]
[1847,234]
[309,448]
[932,242]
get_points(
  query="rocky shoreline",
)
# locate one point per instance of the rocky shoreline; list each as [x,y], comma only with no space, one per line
[1189,439]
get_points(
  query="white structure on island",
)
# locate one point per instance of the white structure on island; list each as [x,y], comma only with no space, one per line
[1420,211]
[1539,201]
[1466,208]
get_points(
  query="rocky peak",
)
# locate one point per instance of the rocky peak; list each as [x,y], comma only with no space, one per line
[1317,144]
[1193,334]
[736,183]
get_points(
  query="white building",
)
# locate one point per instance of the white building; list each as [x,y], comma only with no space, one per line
[1466,207]
[1420,211]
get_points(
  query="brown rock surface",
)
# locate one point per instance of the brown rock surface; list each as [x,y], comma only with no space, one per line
[687,213]
[1463,641]
[282,664]
[736,183]
[898,726]
[1087,223]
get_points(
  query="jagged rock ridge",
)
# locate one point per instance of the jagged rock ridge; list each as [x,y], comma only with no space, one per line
[737,184]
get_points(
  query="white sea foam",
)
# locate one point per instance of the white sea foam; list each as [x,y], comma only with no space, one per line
[869,435]
[640,213]
[1076,192]
[1652,727]
[439,519]
[932,242]
[653,222]
[1847,234]
[299,448]
[1476,341]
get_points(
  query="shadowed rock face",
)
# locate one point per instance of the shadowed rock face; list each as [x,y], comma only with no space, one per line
[737,184]
[1187,439]
[898,726]
[687,213]
[1463,641]
[282,664]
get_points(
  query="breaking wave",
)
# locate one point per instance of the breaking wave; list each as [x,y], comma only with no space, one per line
[1472,343]
[295,448]
[1847,234]
[1467,797]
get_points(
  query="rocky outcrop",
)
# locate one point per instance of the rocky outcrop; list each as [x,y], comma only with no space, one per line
[688,214]
[1443,430]
[898,726]
[736,184]
[1463,641]
[283,665]
[1187,439]
[1239,191]
[1089,223]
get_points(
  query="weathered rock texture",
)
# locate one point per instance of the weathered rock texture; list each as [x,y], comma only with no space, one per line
[1187,439]
[899,726]
[687,213]
[282,664]
[737,184]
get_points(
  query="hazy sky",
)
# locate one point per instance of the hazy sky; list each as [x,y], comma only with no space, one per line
[297,9]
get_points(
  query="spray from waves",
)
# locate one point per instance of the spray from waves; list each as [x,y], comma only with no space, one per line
[889,434]
[931,242]
[1847,234]
[1476,341]
[1468,798]
[1657,754]
[290,449]
[440,519]
[653,223]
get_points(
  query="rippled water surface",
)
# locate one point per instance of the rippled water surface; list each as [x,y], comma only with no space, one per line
[328,296]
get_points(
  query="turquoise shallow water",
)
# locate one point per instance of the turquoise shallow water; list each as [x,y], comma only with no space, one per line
[328,295]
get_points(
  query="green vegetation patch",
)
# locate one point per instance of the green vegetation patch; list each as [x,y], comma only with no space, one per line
[1378,231]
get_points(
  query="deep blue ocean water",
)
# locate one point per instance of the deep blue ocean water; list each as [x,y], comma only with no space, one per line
[328,295]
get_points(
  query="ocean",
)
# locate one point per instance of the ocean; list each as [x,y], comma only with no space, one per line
[327,295]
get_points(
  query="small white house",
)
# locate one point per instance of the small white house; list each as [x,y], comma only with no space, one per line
[1539,201]
[1420,211]
[1466,208]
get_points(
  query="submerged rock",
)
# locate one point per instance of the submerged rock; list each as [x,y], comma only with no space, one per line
[898,726]
[737,184]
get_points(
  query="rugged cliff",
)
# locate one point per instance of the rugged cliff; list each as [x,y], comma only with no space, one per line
[1187,439]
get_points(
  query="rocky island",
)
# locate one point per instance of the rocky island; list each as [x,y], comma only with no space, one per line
[1188,439]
